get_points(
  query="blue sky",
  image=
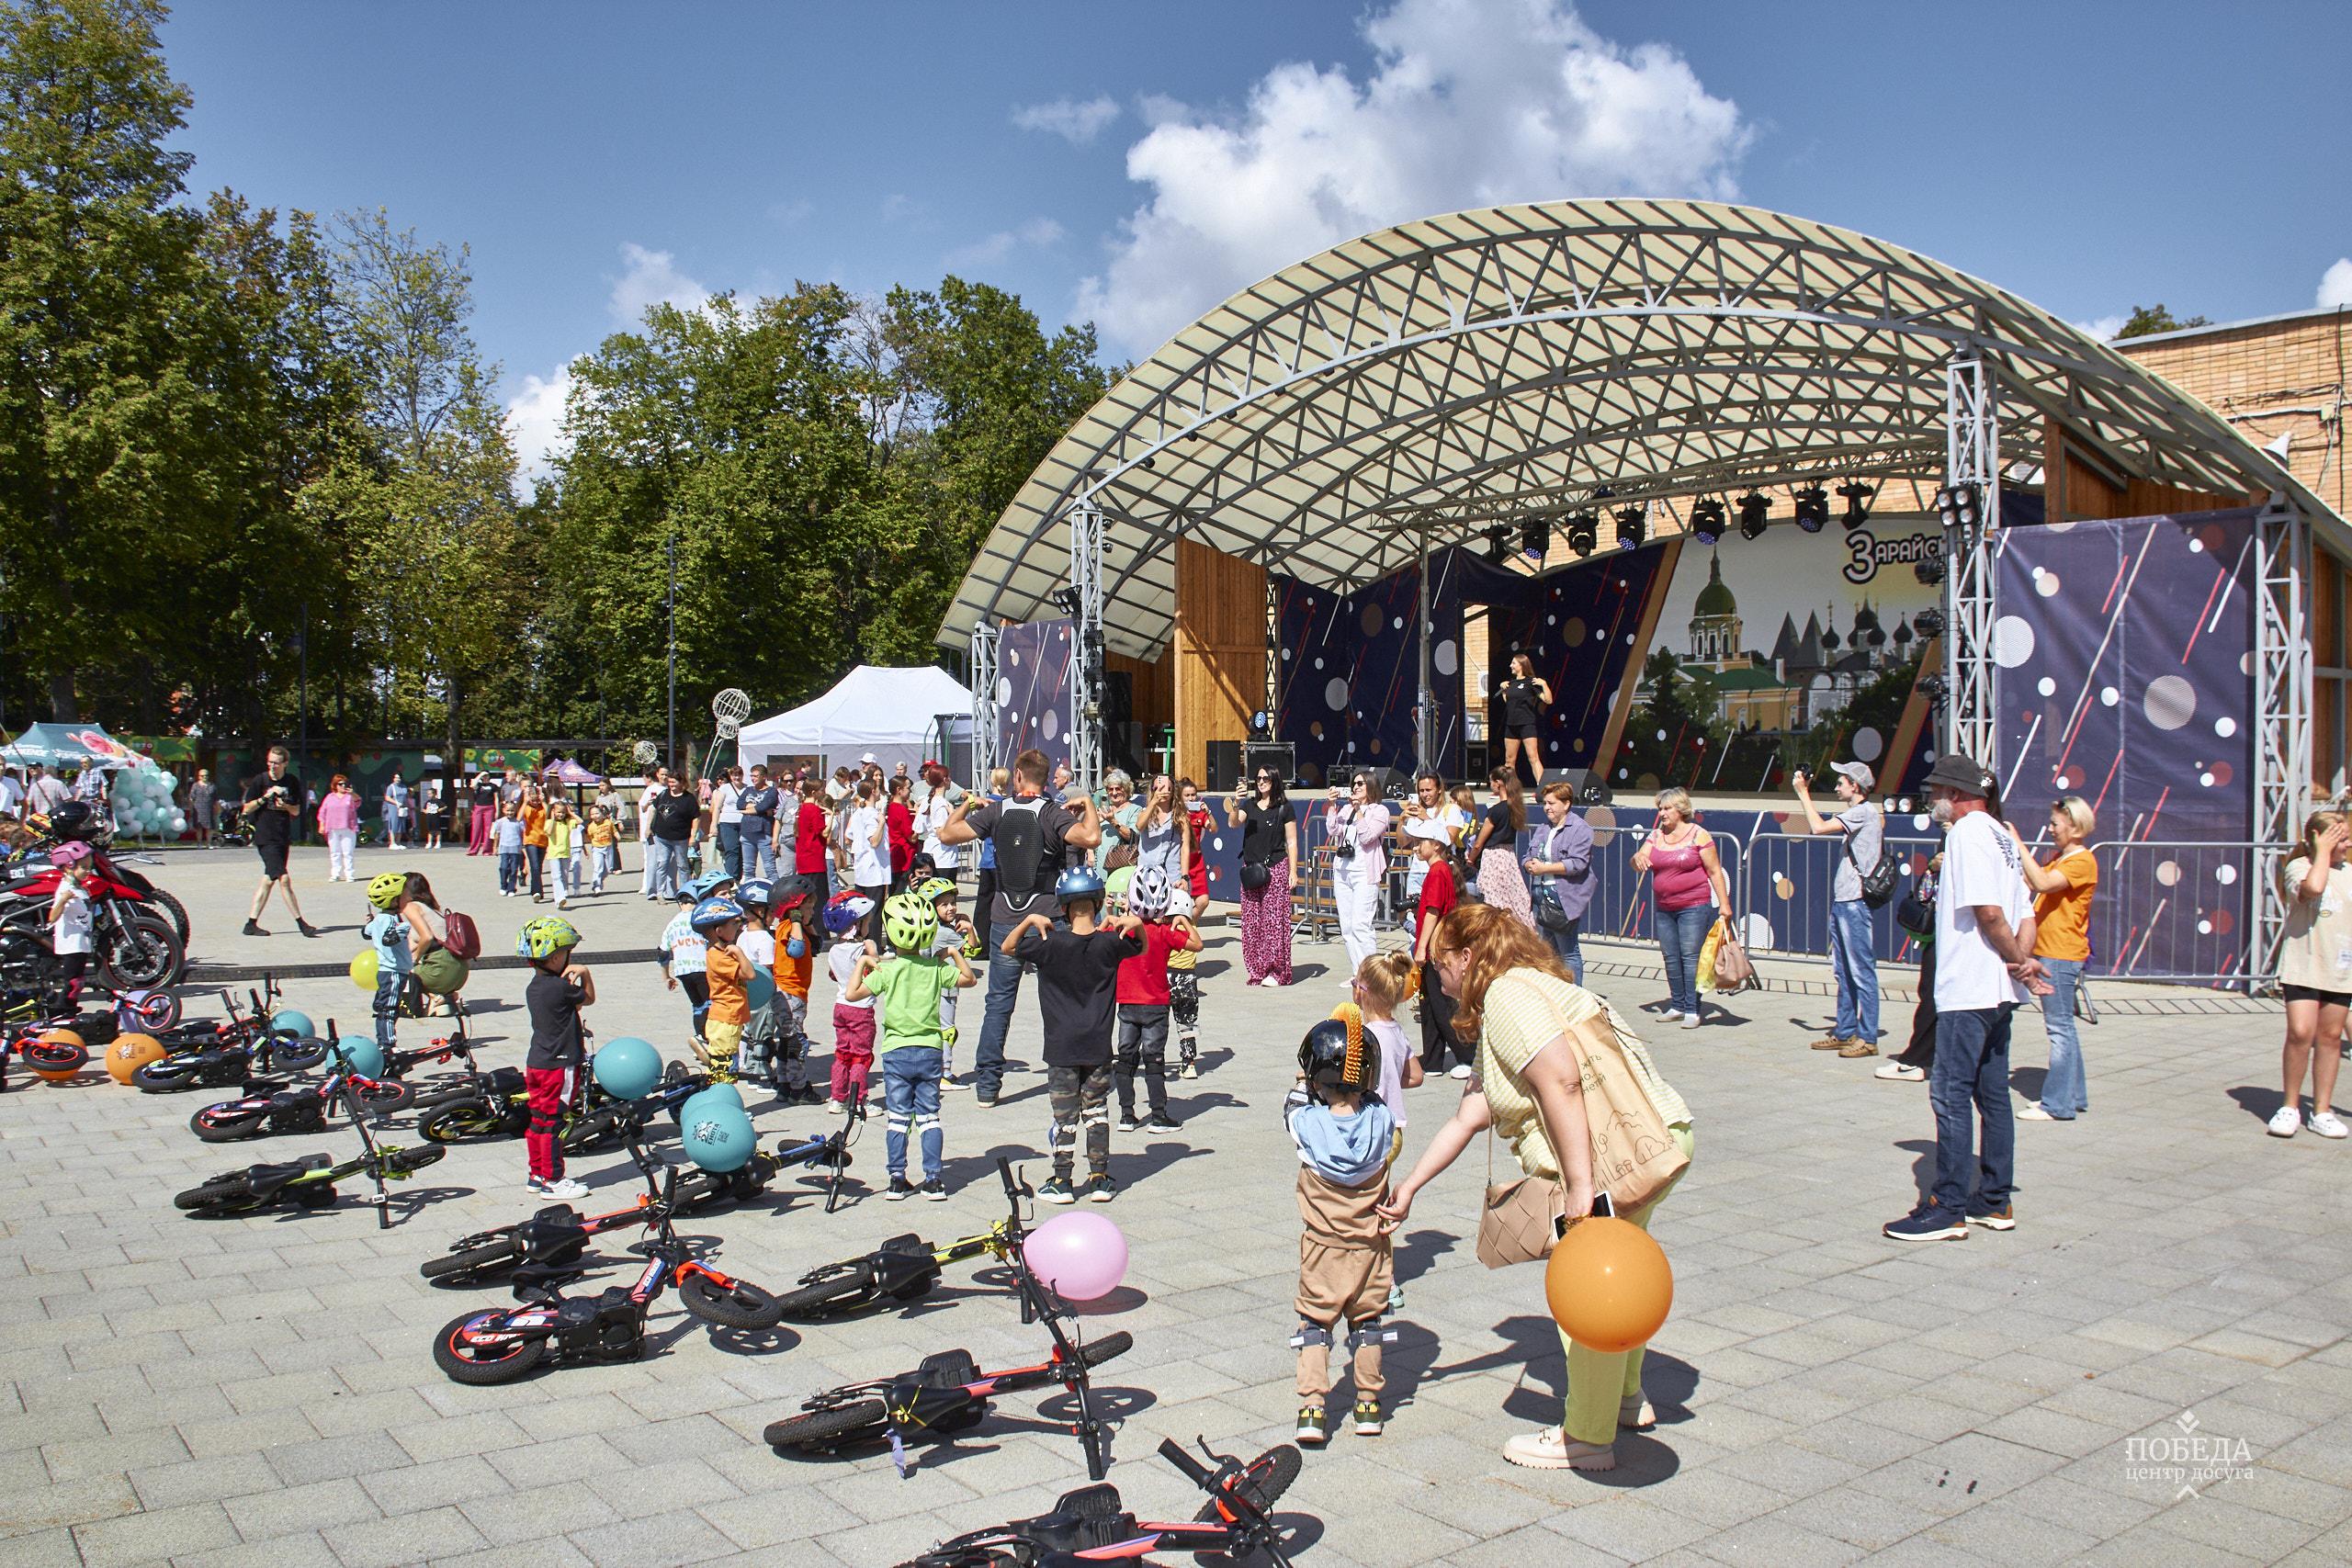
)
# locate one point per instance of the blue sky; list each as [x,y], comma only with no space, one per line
[1132,163]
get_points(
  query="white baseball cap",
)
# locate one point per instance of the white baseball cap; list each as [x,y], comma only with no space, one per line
[870,757]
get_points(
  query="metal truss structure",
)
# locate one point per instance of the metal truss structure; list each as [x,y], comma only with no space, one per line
[2282,695]
[987,739]
[1086,645]
[1971,458]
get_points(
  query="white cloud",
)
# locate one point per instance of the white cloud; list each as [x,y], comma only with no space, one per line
[1471,103]
[649,279]
[534,423]
[2103,328]
[1038,233]
[2335,284]
[1074,122]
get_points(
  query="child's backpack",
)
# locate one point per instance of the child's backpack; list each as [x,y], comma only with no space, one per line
[1020,839]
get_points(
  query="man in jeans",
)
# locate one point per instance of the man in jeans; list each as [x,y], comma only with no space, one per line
[1983,963]
[673,826]
[1862,827]
[1046,833]
[758,802]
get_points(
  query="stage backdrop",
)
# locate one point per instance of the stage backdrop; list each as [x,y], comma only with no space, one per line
[2125,656]
[1032,678]
[1344,695]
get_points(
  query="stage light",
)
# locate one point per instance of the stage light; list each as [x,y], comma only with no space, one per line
[1929,623]
[1929,570]
[1630,526]
[1535,537]
[1933,688]
[1064,600]
[1584,532]
[1957,505]
[1707,522]
[1753,510]
[1858,497]
[1813,508]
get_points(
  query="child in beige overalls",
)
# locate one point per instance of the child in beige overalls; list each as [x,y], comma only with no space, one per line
[1346,1138]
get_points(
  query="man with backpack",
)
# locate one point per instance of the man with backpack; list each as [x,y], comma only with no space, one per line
[1865,880]
[1033,838]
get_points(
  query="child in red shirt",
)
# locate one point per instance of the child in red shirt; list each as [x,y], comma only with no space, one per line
[1430,842]
[1143,998]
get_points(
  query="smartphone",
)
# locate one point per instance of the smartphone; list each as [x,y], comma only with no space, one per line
[1602,1209]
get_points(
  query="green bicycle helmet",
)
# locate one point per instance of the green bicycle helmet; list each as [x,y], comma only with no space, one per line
[933,889]
[385,891]
[544,936]
[910,923]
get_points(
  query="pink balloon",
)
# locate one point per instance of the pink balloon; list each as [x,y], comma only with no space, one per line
[1081,1256]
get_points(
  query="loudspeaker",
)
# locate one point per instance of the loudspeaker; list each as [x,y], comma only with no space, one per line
[1118,697]
[1590,788]
[1275,754]
[1223,767]
[1122,747]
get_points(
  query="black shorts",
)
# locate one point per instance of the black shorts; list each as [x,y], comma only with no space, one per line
[1523,732]
[273,860]
[2313,994]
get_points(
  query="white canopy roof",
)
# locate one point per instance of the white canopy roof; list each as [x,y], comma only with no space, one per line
[1436,379]
[890,712]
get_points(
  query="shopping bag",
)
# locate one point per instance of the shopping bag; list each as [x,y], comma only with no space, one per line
[1707,957]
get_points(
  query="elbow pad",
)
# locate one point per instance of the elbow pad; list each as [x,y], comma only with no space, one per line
[795,948]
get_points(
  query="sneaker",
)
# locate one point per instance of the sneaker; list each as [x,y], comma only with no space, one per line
[1189,1069]
[1901,1072]
[1670,1014]
[953,1085]
[1367,1419]
[1310,1433]
[1273,980]
[936,1189]
[2328,1124]
[1554,1449]
[2286,1121]
[807,1094]
[1833,1042]
[1056,1189]
[1691,1022]
[1099,1189]
[1921,1225]
[1126,1122]
[1853,1050]
[899,1189]
[252,928]
[983,1097]
[1160,1123]
[306,928]
[1459,1070]
[2031,1111]
[565,1187]
[2001,1219]
[1635,1415]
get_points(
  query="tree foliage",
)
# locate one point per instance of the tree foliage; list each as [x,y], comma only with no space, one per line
[2146,320]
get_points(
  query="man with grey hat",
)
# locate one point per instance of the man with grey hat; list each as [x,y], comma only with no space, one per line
[1863,826]
[1984,964]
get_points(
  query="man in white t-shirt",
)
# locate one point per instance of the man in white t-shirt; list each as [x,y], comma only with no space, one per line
[12,795]
[1984,965]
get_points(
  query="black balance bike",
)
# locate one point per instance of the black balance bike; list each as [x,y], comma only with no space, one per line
[949,1392]
[309,1182]
[278,1106]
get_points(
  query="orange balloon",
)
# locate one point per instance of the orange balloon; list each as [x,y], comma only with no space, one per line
[1609,1285]
[60,1037]
[129,1053]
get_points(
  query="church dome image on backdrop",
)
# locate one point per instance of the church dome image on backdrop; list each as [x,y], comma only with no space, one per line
[1715,598]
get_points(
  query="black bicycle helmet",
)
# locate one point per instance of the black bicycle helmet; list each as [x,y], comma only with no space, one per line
[71,820]
[1338,1053]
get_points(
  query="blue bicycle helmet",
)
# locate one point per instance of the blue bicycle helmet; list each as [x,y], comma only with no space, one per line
[755,892]
[1079,882]
[713,912]
[702,887]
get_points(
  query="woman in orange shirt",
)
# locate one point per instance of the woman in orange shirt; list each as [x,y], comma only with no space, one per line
[535,839]
[2063,886]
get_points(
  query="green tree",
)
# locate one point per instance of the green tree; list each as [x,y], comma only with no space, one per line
[2148,318]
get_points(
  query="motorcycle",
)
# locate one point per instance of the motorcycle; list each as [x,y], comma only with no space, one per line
[122,899]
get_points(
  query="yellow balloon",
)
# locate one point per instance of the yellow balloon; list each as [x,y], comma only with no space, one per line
[363,969]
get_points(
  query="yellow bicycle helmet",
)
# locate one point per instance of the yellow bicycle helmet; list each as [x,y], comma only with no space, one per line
[385,891]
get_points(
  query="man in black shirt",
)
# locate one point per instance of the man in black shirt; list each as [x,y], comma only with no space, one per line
[273,805]
[675,828]
[1033,838]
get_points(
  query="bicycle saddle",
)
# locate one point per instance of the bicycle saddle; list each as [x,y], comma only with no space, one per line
[948,1368]
[270,1177]
[537,1282]
[1088,1517]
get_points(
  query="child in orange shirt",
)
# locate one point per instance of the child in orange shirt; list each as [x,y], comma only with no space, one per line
[720,921]
[796,966]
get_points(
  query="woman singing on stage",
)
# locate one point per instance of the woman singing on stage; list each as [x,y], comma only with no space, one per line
[1524,699]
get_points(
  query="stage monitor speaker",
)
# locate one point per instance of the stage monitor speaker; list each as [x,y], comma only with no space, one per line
[1223,767]
[1118,697]
[1277,755]
[1590,788]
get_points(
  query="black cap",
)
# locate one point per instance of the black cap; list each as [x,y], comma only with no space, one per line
[1955,772]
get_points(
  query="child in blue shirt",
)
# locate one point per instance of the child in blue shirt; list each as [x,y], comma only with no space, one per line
[684,958]
[506,838]
[1345,1138]
[397,930]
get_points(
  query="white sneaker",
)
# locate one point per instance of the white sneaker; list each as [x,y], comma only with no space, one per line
[566,1187]
[1671,1014]
[1903,1072]
[1690,1020]
[2287,1121]
[2328,1124]
[1459,1070]
[2031,1111]
[1271,980]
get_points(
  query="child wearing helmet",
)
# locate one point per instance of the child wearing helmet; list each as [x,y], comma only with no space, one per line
[1143,997]
[909,983]
[71,935]
[1346,1138]
[681,959]
[1077,979]
[398,931]
[557,990]
[852,1020]
[795,966]
[757,1058]
[727,972]
[954,935]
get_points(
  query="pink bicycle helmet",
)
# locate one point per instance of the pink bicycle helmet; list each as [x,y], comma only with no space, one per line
[65,855]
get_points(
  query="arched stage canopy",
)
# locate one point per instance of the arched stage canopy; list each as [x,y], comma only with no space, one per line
[1431,380]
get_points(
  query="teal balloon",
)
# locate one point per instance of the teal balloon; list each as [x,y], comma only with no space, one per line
[718,1136]
[726,1093]
[628,1068]
[361,1056]
[286,1021]
[760,991]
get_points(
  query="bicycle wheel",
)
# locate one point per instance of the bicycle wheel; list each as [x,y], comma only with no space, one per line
[215,1125]
[383,1098]
[220,1192]
[1262,1480]
[838,1292]
[858,1420]
[463,1267]
[461,1122]
[297,1053]
[741,1304]
[461,1360]
[168,1076]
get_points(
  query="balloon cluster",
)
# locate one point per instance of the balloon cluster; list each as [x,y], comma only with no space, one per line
[143,806]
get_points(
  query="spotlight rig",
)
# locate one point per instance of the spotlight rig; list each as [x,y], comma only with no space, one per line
[1753,511]
[1584,532]
[1929,570]
[1064,600]
[1858,497]
[1535,537]
[1959,505]
[1631,526]
[1707,521]
[1813,508]
[1499,545]
[1929,623]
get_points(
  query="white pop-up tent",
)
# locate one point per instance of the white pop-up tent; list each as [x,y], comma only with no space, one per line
[895,714]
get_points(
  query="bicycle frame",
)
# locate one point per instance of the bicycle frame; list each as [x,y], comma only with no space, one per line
[1039,1303]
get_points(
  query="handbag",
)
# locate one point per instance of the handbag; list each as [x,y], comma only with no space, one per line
[1878,883]
[1916,912]
[1544,898]
[1520,1222]
[1120,858]
[1733,970]
[459,936]
[1254,876]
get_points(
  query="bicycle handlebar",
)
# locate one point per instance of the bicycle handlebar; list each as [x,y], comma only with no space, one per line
[1181,1458]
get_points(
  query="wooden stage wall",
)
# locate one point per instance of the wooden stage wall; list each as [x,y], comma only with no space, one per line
[1218,651]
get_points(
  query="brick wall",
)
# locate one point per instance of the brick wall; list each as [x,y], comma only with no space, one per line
[2270,378]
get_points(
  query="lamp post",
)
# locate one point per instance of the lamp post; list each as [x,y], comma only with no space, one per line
[669,545]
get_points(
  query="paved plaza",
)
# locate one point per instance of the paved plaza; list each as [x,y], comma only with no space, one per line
[2150,1370]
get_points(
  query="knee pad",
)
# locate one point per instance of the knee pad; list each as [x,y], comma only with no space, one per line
[539,1129]
[1370,1331]
[1310,1334]
[948,1037]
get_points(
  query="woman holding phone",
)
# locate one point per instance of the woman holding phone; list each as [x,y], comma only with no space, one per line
[1269,873]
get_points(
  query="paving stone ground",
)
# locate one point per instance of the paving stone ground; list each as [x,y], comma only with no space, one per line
[260,1392]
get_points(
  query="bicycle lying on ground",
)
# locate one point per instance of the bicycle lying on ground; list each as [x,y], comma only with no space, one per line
[500,1344]
[216,1053]
[1092,1525]
[948,1392]
[309,1182]
[278,1106]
